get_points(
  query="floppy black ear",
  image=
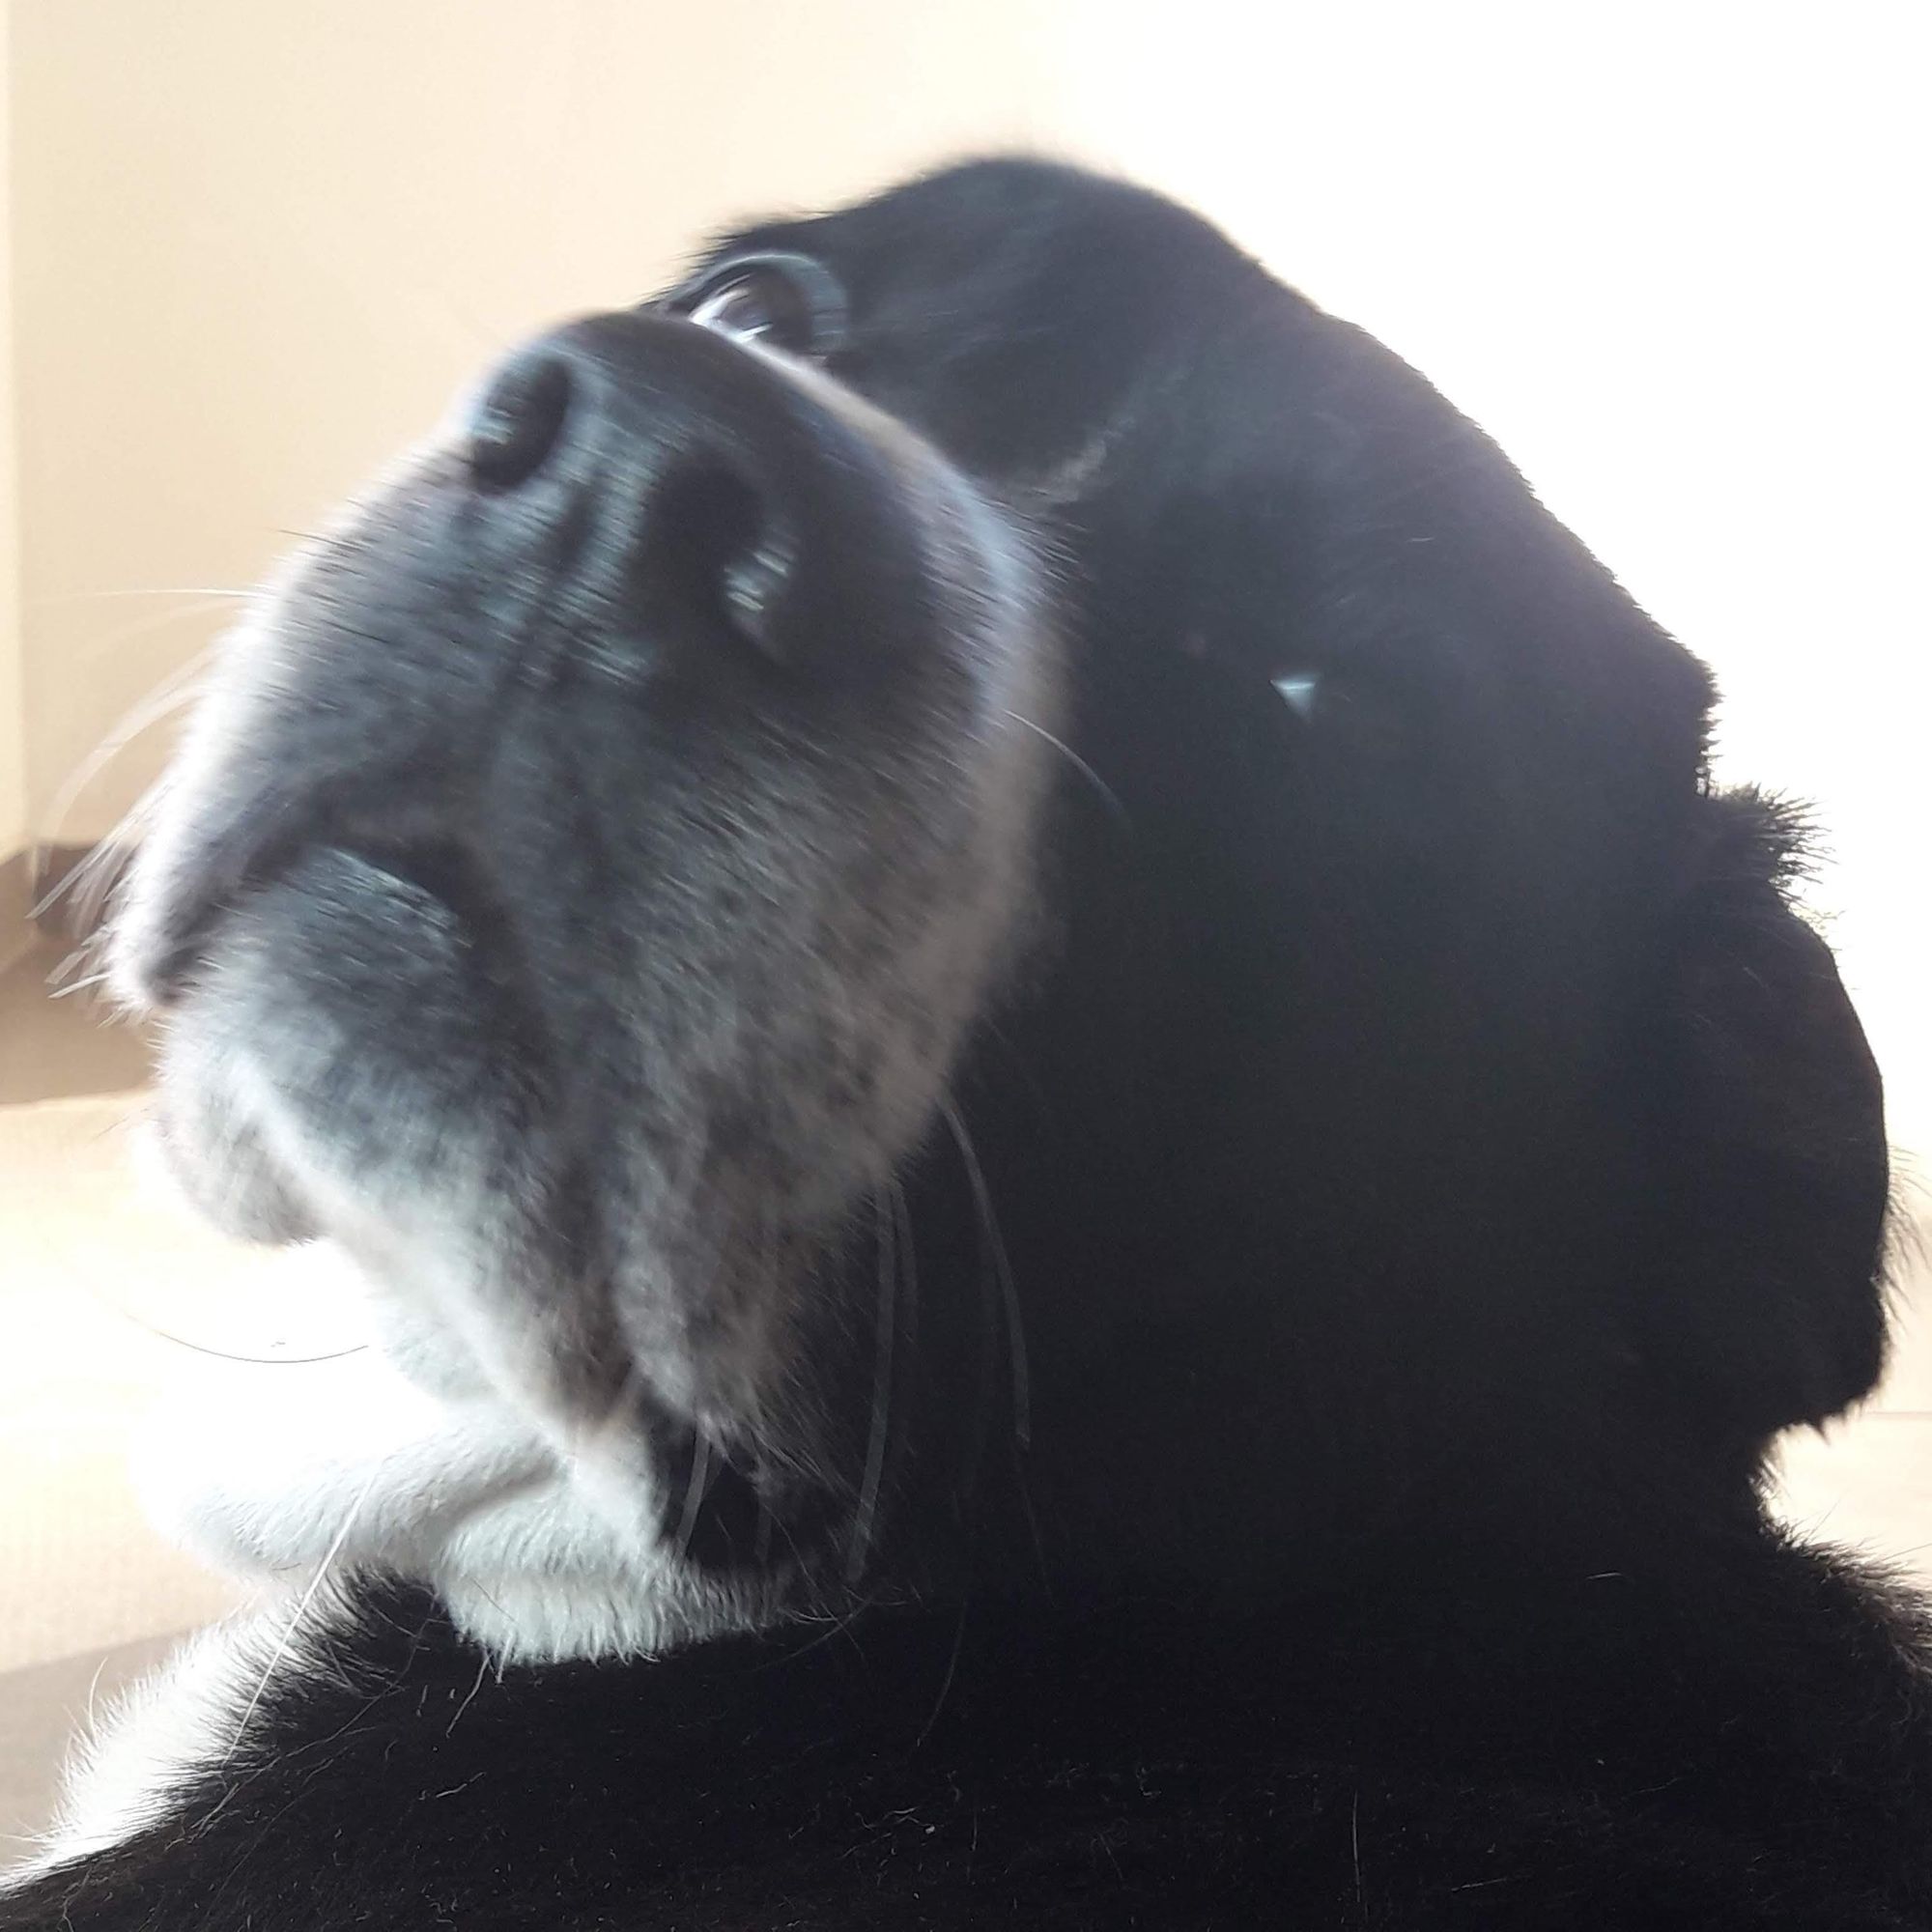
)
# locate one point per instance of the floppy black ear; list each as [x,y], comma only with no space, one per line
[1768,1308]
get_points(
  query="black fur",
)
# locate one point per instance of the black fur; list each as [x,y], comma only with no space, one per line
[1432,1161]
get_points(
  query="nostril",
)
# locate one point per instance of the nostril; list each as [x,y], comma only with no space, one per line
[519,417]
[712,553]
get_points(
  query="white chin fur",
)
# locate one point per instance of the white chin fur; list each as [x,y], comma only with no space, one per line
[331,1466]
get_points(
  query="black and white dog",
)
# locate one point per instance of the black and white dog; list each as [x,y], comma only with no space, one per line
[1091,1164]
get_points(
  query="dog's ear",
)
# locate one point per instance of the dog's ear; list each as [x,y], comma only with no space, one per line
[1767,1308]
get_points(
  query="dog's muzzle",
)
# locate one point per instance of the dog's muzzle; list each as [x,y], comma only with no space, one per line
[631,497]
[574,889]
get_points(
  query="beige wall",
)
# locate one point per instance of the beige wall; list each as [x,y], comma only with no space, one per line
[13,722]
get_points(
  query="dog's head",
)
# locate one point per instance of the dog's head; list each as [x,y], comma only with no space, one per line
[980,891]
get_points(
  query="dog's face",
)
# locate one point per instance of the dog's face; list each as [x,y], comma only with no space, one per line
[977,883]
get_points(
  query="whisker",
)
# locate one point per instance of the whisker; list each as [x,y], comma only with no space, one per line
[946,1684]
[94,1687]
[98,647]
[98,876]
[835,1627]
[168,695]
[122,1311]
[161,1334]
[1001,1271]
[108,856]
[301,1609]
[694,1488]
[217,590]
[1109,796]
[60,989]
[90,886]
[885,1239]
[908,1264]
[802,1567]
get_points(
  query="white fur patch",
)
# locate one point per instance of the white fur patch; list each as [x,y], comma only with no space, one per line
[177,1725]
[328,1467]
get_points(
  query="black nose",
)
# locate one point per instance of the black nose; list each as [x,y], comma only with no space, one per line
[519,417]
[699,493]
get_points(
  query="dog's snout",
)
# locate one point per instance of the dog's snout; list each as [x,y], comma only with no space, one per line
[520,417]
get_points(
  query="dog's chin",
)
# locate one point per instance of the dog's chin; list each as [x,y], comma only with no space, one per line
[549,1526]
[344,1070]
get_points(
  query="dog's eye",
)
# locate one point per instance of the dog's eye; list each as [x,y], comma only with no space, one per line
[788,302]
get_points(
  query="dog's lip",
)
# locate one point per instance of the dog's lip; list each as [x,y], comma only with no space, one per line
[435,878]
[432,874]
[425,898]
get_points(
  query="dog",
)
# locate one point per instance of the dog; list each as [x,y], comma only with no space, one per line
[1092,1165]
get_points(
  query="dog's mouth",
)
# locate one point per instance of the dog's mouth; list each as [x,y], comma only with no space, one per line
[577,919]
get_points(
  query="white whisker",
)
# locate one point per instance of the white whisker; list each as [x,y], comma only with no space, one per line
[301,1609]
[65,990]
[696,1486]
[1001,1271]
[1106,792]
[140,591]
[173,691]
[887,1240]
[96,648]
